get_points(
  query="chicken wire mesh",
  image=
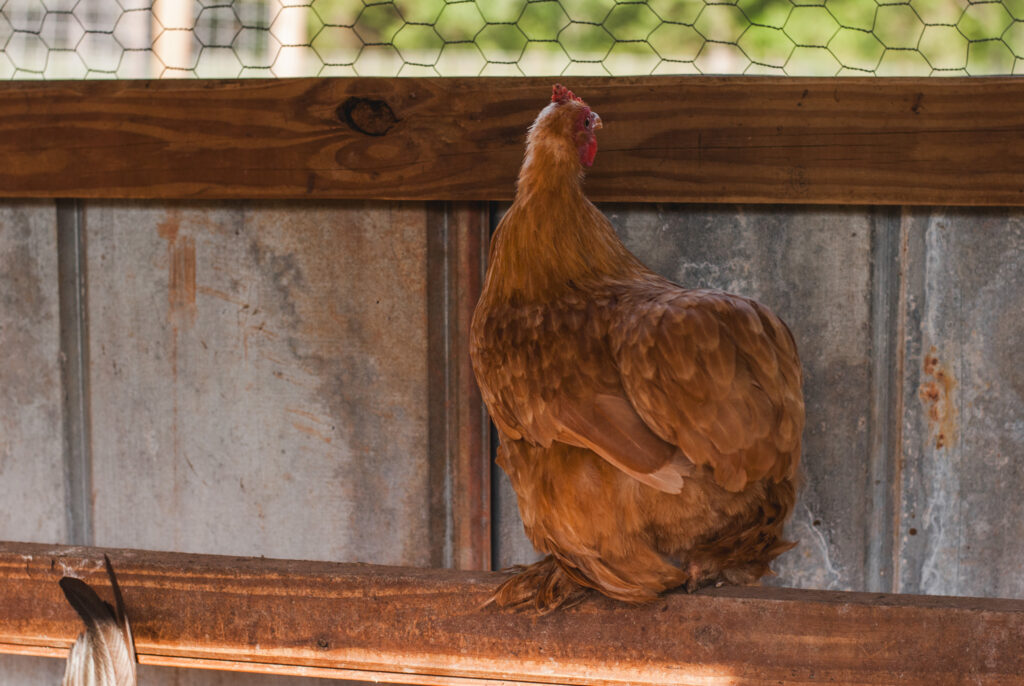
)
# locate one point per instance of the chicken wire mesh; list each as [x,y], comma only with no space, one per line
[70,39]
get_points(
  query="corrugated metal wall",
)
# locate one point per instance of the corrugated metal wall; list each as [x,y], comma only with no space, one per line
[960,512]
[272,361]
[254,380]
[32,483]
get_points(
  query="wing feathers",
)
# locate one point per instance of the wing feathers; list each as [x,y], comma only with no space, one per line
[716,375]
[691,378]
[609,426]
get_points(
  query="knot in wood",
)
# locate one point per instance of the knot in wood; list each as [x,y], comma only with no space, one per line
[369,117]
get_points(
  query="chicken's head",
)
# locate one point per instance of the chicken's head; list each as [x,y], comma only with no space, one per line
[568,119]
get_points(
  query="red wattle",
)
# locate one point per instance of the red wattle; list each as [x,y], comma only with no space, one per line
[588,153]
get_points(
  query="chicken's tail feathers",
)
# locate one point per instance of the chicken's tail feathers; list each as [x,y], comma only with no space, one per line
[543,586]
[742,552]
[119,613]
[104,654]
[93,611]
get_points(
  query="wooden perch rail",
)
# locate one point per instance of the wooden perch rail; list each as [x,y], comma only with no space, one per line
[666,139]
[426,626]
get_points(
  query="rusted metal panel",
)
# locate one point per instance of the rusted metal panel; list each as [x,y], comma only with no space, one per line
[959,521]
[259,379]
[33,504]
[74,355]
[31,463]
[29,670]
[404,624]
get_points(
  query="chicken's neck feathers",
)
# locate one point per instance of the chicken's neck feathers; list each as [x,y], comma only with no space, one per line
[553,238]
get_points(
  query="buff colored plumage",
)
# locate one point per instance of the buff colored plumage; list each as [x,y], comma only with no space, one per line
[651,432]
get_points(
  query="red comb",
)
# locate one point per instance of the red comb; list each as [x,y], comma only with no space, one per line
[560,93]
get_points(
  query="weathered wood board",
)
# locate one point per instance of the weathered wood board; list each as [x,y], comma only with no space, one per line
[666,139]
[154,675]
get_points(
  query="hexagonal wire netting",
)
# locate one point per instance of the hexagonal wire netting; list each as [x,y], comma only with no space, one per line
[61,39]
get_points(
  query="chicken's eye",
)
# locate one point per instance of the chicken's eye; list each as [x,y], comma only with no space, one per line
[586,123]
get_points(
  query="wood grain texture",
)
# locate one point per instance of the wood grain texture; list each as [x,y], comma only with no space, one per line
[686,139]
[396,624]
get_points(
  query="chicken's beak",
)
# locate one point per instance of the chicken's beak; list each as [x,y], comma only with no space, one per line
[597,122]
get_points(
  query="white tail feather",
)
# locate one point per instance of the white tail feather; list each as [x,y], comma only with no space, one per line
[104,654]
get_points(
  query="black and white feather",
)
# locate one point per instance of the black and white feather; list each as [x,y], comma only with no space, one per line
[104,654]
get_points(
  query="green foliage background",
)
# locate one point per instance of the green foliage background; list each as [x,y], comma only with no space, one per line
[223,38]
[795,37]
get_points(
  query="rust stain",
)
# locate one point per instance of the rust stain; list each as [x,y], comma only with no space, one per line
[181,267]
[308,415]
[168,229]
[312,432]
[295,380]
[270,357]
[937,396]
[181,291]
[221,295]
[255,331]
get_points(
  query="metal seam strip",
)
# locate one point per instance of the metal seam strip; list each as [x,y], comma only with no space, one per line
[74,344]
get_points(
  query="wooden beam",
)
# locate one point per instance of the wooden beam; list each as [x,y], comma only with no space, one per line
[427,626]
[907,141]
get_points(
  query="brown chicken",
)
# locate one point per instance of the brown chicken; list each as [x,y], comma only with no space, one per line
[651,432]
